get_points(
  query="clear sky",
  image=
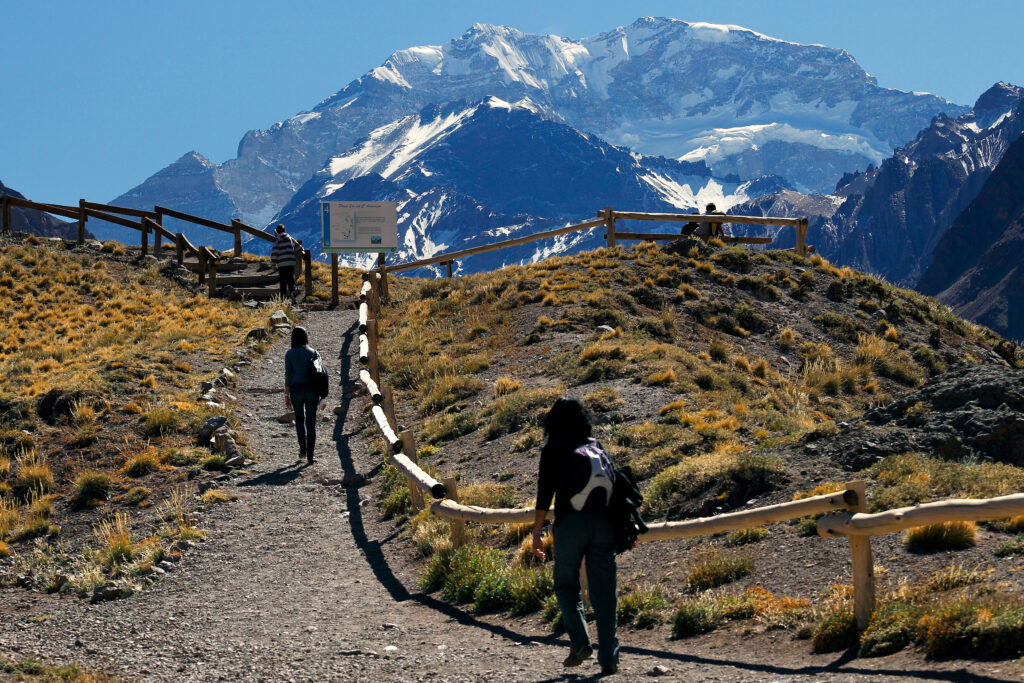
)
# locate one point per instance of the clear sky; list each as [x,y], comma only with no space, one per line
[97,96]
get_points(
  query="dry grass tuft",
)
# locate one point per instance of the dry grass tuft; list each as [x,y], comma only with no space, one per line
[942,536]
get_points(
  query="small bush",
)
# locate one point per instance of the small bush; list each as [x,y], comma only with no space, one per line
[892,628]
[161,421]
[661,379]
[837,631]
[213,462]
[216,497]
[718,570]
[529,589]
[136,495]
[33,476]
[116,546]
[468,567]
[505,385]
[745,536]
[694,617]
[142,463]
[1014,548]
[91,487]
[642,607]
[942,536]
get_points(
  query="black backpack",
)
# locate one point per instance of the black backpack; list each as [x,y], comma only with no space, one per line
[624,510]
[319,378]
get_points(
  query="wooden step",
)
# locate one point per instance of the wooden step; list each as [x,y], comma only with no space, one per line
[257,292]
[247,279]
[222,266]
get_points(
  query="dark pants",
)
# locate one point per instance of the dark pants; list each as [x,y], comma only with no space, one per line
[287,280]
[304,401]
[587,535]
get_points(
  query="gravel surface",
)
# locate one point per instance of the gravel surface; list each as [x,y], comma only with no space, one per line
[301,580]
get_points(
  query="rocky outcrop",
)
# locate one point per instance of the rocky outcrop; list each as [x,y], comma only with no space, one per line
[971,411]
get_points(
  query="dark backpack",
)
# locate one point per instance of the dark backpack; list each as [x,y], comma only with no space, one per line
[319,378]
[624,510]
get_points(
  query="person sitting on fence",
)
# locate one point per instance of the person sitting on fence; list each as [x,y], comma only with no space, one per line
[583,529]
[284,255]
[705,228]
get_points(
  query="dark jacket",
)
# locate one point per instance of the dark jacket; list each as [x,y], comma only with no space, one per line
[296,366]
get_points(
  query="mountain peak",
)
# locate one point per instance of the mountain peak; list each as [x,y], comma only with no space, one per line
[1000,98]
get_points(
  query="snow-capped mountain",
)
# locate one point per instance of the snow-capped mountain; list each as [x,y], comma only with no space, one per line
[742,102]
[888,220]
[474,162]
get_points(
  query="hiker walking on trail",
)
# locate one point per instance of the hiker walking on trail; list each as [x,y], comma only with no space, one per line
[575,470]
[284,256]
[300,394]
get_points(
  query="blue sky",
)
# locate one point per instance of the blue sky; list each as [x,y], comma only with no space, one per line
[99,95]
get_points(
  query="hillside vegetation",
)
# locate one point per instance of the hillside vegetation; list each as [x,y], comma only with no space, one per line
[707,369]
[100,365]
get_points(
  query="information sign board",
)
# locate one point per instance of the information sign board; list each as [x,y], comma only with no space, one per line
[359,226]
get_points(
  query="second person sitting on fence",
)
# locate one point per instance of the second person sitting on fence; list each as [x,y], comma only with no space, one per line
[284,256]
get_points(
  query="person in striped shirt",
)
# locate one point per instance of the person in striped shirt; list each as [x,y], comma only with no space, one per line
[284,256]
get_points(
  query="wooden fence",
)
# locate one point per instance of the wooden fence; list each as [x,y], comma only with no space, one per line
[608,218]
[853,522]
[151,223]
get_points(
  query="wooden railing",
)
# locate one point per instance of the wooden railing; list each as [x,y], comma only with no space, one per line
[151,222]
[608,218]
[853,522]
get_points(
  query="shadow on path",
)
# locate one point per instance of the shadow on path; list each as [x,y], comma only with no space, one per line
[279,477]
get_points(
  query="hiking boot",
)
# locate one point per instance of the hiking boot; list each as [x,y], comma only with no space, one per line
[302,455]
[577,657]
[609,669]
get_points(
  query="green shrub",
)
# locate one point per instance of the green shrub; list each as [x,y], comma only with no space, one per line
[136,495]
[448,390]
[892,628]
[838,325]
[643,607]
[745,536]
[837,631]
[90,487]
[1014,548]
[162,420]
[718,570]
[469,565]
[449,426]
[213,462]
[526,406]
[530,588]
[694,617]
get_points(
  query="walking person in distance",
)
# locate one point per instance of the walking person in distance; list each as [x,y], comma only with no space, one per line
[299,393]
[283,256]
[575,470]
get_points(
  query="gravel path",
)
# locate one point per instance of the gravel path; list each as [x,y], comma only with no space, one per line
[300,580]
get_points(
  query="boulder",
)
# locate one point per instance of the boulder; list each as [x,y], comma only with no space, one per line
[279,318]
[209,427]
[257,333]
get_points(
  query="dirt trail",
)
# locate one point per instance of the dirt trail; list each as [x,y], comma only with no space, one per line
[301,580]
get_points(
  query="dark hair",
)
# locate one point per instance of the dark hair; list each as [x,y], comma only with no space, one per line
[567,421]
[710,207]
[279,229]
[299,337]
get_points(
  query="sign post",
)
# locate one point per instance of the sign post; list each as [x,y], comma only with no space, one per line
[358,227]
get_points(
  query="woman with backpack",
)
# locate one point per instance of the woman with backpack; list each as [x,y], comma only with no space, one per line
[577,473]
[300,394]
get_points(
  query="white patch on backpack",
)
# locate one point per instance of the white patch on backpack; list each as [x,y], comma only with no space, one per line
[602,475]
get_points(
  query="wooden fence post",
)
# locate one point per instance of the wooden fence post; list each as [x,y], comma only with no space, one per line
[334,280]
[448,266]
[458,526]
[863,564]
[388,403]
[144,229]
[238,237]
[211,261]
[158,238]
[409,449]
[371,337]
[6,227]
[307,261]
[202,266]
[609,226]
[801,238]
[82,218]
[383,276]
[179,247]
